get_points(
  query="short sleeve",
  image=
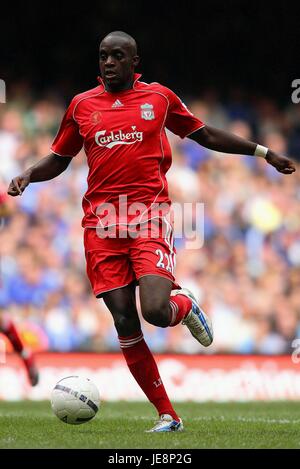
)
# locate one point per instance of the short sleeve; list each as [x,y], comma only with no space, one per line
[180,120]
[68,141]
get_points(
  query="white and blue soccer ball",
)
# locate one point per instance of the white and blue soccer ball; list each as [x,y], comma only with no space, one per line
[75,400]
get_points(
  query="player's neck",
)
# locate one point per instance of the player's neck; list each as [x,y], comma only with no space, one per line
[116,89]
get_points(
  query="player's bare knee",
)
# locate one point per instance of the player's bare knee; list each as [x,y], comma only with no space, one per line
[126,324]
[156,315]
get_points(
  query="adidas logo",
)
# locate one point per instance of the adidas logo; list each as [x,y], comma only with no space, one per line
[117,103]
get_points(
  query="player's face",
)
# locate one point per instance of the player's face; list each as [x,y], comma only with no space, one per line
[117,63]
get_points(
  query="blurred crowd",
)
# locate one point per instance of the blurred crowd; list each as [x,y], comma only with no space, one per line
[246,275]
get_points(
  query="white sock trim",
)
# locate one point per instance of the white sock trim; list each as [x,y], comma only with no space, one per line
[125,343]
[174,311]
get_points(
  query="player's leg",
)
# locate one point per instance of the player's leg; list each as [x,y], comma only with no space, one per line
[112,277]
[157,306]
[162,306]
[8,328]
[122,305]
[153,259]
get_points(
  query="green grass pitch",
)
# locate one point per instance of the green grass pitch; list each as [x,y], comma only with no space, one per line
[122,425]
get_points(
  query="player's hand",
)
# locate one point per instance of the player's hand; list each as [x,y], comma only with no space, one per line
[281,163]
[18,184]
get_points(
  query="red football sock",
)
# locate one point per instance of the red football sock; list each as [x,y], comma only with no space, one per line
[7,327]
[144,369]
[180,306]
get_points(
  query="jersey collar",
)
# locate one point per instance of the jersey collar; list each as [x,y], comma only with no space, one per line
[136,77]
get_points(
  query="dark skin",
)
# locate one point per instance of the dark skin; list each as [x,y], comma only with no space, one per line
[117,61]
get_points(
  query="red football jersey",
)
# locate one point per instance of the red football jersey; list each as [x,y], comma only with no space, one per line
[128,153]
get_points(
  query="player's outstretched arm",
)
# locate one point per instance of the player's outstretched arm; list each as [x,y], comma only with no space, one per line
[225,142]
[46,169]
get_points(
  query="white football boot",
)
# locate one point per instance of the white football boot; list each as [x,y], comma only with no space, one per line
[197,321]
[166,423]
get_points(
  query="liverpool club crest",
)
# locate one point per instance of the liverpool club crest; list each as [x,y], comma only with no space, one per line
[147,112]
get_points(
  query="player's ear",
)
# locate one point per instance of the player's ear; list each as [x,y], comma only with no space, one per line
[136,60]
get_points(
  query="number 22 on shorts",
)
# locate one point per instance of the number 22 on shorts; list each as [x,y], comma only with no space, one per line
[165,260]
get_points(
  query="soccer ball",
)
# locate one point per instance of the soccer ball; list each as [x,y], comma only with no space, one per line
[75,400]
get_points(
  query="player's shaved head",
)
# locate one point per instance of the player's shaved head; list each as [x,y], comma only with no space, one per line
[122,38]
[117,60]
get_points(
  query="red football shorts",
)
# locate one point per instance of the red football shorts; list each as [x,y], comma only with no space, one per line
[114,262]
